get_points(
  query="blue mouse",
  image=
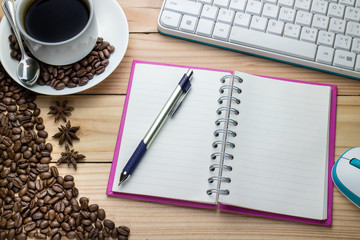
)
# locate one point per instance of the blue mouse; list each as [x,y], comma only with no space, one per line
[346,174]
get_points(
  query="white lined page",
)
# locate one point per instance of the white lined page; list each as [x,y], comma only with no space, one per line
[281,156]
[177,164]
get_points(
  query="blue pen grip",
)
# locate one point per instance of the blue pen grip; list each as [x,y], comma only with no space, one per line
[135,158]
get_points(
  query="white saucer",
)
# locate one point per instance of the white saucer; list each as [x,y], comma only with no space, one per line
[113,27]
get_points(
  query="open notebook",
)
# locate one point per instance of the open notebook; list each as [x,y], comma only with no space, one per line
[244,143]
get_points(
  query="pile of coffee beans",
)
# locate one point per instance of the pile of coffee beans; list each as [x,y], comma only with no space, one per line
[76,74]
[35,200]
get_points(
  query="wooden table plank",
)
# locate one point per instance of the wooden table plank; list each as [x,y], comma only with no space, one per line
[99,120]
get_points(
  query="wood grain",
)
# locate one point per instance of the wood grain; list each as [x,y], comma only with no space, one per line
[98,112]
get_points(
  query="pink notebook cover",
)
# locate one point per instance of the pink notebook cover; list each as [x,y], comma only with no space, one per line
[327,222]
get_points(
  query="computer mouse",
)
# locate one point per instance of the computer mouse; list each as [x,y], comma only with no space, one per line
[346,174]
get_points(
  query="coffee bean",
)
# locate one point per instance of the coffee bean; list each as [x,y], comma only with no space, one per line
[40,236]
[59,207]
[57,188]
[53,231]
[123,230]
[84,203]
[68,184]
[68,178]
[101,214]
[80,236]
[37,215]
[45,175]
[17,183]
[29,226]
[108,223]
[39,185]
[93,207]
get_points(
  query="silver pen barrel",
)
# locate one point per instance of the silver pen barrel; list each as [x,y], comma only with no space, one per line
[162,117]
[165,113]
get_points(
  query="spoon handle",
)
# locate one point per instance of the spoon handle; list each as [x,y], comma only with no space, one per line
[9,9]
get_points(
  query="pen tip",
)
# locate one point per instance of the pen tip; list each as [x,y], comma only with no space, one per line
[190,73]
[123,177]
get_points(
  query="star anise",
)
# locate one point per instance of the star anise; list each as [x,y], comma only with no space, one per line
[70,157]
[61,110]
[67,133]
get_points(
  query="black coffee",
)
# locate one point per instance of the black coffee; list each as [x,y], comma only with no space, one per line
[55,20]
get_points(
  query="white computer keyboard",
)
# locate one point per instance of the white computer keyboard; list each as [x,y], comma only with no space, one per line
[320,34]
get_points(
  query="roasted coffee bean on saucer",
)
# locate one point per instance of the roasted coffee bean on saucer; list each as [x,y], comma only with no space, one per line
[73,75]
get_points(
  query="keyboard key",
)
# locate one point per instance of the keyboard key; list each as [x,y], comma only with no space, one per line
[209,12]
[184,7]
[326,38]
[208,2]
[325,55]
[336,10]
[303,18]
[352,14]
[320,22]
[292,31]
[308,34]
[205,27]
[357,65]
[238,5]
[287,15]
[254,7]
[337,25]
[226,16]
[319,6]
[353,29]
[347,2]
[188,23]
[170,19]
[303,5]
[355,47]
[221,3]
[258,23]
[221,31]
[286,3]
[242,20]
[272,1]
[270,11]
[342,42]
[344,59]
[275,27]
[273,43]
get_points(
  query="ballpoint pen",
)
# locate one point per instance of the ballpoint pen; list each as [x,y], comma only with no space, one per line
[169,109]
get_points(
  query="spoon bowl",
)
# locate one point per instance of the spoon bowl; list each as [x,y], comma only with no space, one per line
[28,69]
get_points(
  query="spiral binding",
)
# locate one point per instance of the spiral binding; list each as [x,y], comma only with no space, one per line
[231,109]
[234,99]
[219,191]
[223,166]
[229,103]
[227,131]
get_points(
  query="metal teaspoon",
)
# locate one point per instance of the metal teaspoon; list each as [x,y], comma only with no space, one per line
[28,69]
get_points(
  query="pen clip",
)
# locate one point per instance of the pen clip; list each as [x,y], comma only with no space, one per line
[179,102]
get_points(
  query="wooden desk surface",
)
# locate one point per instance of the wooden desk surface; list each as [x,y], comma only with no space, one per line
[98,112]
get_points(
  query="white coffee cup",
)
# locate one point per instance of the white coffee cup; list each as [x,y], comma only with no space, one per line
[63,52]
